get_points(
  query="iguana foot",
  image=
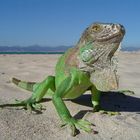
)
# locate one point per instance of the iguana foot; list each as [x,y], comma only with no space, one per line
[102,111]
[127,92]
[30,104]
[76,125]
[111,113]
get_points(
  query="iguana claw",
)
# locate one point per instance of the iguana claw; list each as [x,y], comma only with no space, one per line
[96,108]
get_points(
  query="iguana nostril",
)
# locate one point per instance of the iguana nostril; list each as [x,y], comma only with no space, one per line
[122,29]
[113,26]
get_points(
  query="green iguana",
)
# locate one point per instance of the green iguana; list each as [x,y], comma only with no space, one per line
[90,65]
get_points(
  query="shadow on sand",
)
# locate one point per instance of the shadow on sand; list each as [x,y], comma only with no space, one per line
[110,101]
[113,101]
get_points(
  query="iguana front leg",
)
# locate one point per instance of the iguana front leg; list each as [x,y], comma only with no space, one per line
[96,94]
[62,110]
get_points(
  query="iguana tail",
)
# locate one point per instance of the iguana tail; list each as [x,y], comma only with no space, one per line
[24,85]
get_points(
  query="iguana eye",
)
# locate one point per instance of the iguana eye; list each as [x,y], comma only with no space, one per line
[96,28]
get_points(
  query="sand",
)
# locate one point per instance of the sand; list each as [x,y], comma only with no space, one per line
[19,124]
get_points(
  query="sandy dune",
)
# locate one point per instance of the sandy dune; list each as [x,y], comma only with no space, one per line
[18,124]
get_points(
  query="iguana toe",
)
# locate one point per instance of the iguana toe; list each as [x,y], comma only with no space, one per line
[84,125]
[127,92]
[102,111]
[76,125]
[111,113]
[30,104]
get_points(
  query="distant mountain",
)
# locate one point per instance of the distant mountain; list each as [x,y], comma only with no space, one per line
[130,49]
[34,48]
[37,48]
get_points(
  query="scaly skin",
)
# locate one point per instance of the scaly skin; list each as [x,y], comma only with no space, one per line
[92,54]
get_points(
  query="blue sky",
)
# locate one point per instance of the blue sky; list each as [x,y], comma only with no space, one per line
[61,22]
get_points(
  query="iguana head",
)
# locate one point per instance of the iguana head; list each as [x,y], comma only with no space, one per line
[103,33]
[97,46]
[100,41]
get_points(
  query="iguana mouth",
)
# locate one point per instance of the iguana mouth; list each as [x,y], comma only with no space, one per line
[111,39]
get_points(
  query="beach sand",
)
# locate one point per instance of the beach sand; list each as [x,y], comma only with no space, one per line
[19,124]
